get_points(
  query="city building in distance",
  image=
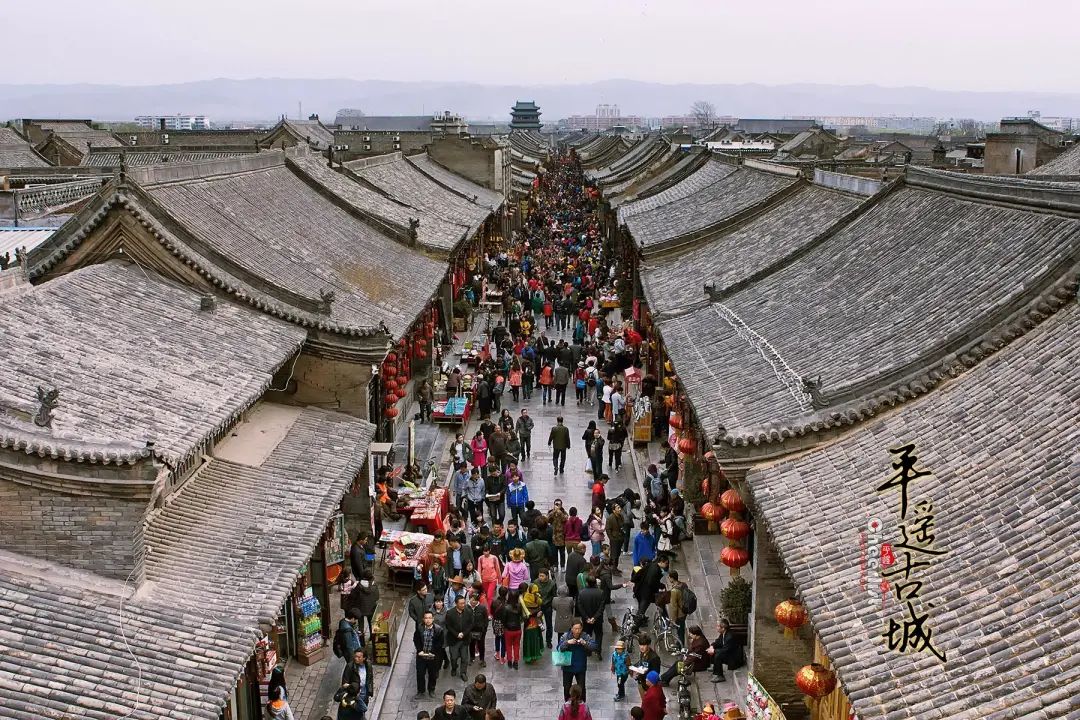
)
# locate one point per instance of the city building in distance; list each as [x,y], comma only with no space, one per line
[179,121]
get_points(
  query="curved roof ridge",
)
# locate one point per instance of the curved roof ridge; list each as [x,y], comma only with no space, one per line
[1034,312]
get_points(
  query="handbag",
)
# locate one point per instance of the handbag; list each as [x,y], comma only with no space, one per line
[561,658]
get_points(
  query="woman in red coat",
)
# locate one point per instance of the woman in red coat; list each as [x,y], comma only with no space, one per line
[653,703]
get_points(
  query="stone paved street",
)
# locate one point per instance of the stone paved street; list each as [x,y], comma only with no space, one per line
[534,691]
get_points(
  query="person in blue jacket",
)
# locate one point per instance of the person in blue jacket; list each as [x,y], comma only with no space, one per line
[580,645]
[644,545]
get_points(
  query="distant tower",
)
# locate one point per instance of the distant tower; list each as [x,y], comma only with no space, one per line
[525,115]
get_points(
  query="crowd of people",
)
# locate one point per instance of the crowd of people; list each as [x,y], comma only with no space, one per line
[512,581]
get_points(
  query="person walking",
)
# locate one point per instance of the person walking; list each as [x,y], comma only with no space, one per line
[547,379]
[596,454]
[596,531]
[478,626]
[495,495]
[524,428]
[497,629]
[532,610]
[450,710]
[517,494]
[479,697]
[590,607]
[516,571]
[548,588]
[475,490]
[575,561]
[559,442]
[653,702]
[617,405]
[616,437]
[580,646]
[420,602]
[459,637]
[426,397]
[620,668]
[490,568]
[479,448]
[428,641]
[587,443]
[575,708]
[358,674]
[560,379]
[512,623]
[557,521]
[615,528]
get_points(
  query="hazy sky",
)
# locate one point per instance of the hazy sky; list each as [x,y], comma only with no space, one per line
[965,45]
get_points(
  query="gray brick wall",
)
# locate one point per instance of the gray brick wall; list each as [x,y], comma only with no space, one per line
[82,525]
[776,658]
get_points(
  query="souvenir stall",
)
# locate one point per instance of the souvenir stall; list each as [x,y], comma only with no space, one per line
[404,553]
[427,510]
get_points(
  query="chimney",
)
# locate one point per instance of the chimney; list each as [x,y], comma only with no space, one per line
[206,302]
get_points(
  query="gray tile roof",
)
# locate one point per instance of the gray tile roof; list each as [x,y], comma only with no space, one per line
[936,265]
[276,226]
[711,204]
[405,183]
[216,576]
[63,654]
[317,134]
[15,151]
[379,123]
[105,337]
[674,282]
[1001,444]
[212,546]
[433,232]
[80,136]
[712,172]
[155,157]
[1067,163]
[666,173]
[461,185]
[636,161]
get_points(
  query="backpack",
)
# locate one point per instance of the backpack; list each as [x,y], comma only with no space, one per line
[688,600]
[640,570]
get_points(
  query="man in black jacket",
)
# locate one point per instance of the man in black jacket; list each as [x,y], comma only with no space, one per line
[725,649]
[450,710]
[459,637]
[428,639]
[421,601]
[479,697]
[590,608]
[575,563]
[495,493]
[359,674]
[650,582]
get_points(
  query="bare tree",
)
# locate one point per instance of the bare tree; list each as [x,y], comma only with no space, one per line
[704,113]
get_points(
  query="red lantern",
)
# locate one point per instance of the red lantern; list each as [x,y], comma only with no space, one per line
[401,392]
[422,354]
[734,529]
[734,557]
[390,398]
[710,512]
[815,680]
[391,412]
[791,614]
[687,445]
[389,371]
[676,421]
[732,501]
[390,385]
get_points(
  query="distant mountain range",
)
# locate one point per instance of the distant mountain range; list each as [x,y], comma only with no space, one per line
[265,99]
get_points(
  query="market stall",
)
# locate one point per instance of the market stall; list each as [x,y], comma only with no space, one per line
[427,511]
[403,553]
[452,411]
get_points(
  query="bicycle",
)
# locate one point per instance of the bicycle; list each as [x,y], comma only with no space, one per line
[665,633]
[684,663]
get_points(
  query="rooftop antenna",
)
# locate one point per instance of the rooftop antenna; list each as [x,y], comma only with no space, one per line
[299,110]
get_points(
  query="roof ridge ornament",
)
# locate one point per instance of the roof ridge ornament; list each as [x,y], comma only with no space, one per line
[414,227]
[326,300]
[49,399]
[812,388]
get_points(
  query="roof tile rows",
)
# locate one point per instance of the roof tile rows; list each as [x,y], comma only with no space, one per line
[277,227]
[15,151]
[464,187]
[676,281]
[1001,446]
[711,204]
[95,334]
[711,173]
[212,544]
[916,269]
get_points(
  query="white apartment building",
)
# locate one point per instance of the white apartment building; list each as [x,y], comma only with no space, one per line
[173,122]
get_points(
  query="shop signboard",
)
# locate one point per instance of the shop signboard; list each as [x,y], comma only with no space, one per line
[335,546]
[382,632]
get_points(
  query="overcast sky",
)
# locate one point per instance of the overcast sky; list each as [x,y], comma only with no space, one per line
[963,45]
